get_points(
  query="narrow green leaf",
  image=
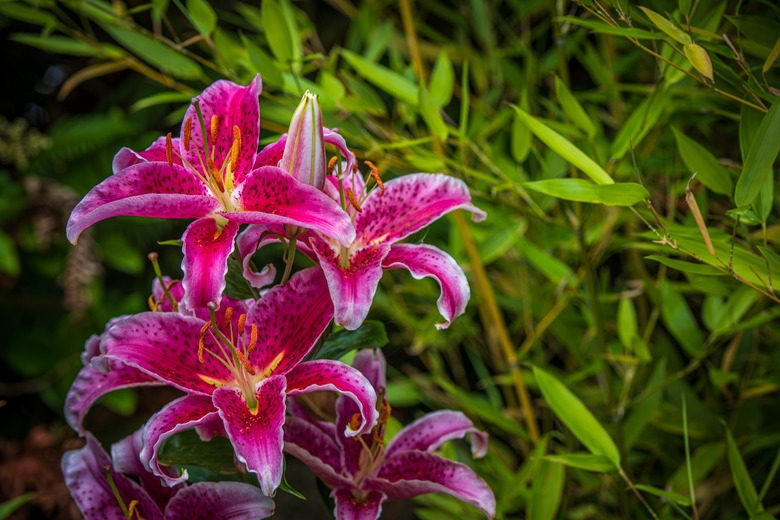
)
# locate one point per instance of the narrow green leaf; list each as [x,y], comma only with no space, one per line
[739,473]
[686,267]
[679,320]
[699,58]
[431,116]
[161,99]
[700,161]
[277,31]
[621,193]
[703,460]
[370,334]
[603,28]
[58,44]
[21,12]
[546,492]
[9,506]
[669,495]
[442,80]
[394,84]
[236,286]
[262,63]
[626,323]
[9,258]
[573,109]
[154,52]
[521,140]
[187,449]
[667,26]
[640,122]
[552,268]
[641,415]
[763,152]
[772,56]
[564,148]
[586,461]
[202,16]
[576,417]
[581,190]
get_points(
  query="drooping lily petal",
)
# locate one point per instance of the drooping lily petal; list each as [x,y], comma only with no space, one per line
[367,505]
[315,448]
[422,261]
[155,153]
[126,457]
[432,430]
[219,501]
[206,246]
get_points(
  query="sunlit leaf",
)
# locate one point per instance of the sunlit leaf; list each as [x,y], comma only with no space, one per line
[546,492]
[699,59]
[573,109]
[202,16]
[667,26]
[154,52]
[587,461]
[394,84]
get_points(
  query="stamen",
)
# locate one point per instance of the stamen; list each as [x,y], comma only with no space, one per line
[241,322]
[332,164]
[245,362]
[215,174]
[168,149]
[354,422]
[152,303]
[214,129]
[353,200]
[354,162]
[201,345]
[377,438]
[236,147]
[131,509]
[252,338]
[187,133]
[228,315]
[375,175]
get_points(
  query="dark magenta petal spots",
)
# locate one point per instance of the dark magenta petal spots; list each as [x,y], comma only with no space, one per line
[219,501]
[409,204]
[318,450]
[150,189]
[432,430]
[357,504]
[185,412]
[165,346]
[126,455]
[234,106]
[88,484]
[412,473]
[256,435]
[424,261]
[156,152]
[271,154]
[325,374]
[352,288]
[90,385]
[269,195]
[206,247]
[289,318]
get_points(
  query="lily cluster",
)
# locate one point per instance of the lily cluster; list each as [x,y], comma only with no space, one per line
[241,362]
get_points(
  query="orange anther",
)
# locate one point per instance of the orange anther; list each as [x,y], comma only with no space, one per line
[241,323]
[253,338]
[384,412]
[375,175]
[187,133]
[152,304]
[201,348]
[216,175]
[354,162]
[228,315]
[353,200]
[354,422]
[131,509]
[168,149]
[377,438]
[214,129]
[245,362]
[332,164]
[236,147]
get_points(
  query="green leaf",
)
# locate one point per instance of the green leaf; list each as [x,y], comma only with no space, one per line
[9,506]
[161,99]
[626,323]
[669,495]
[763,152]
[679,319]
[58,44]
[586,461]
[576,417]
[573,109]
[552,268]
[703,460]
[521,140]
[277,32]
[667,26]
[687,267]
[431,116]
[739,473]
[236,286]
[701,162]
[370,334]
[581,190]
[9,259]
[442,80]
[564,148]
[640,122]
[202,16]
[621,193]
[394,84]
[699,58]
[262,63]
[546,492]
[603,28]
[186,449]
[641,415]
[21,12]
[154,52]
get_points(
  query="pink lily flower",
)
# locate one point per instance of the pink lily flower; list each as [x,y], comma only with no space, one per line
[89,474]
[362,472]
[382,217]
[236,370]
[208,174]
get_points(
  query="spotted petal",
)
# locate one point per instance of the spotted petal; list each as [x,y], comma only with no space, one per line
[126,455]
[219,501]
[360,505]
[422,261]
[249,241]
[411,473]
[315,448]
[434,429]
[206,247]
[256,435]
[156,152]
[409,204]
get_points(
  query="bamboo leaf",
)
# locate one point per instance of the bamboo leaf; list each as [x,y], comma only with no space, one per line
[667,26]
[699,59]
[62,44]
[586,461]
[581,190]
[87,73]
[701,162]
[277,31]
[576,417]
[679,319]
[202,16]
[552,268]
[430,114]
[546,492]
[573,109]
[772,56]
[23,13]
[442,81]
[763,152]
[394,84]
[686,267]
[739,473]
[669,495]
[154,52]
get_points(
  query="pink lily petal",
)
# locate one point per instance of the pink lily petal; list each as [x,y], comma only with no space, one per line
[209,430]
[289,318]
[412,473]
[319,451]
[126,455]
[206,248]
[89,486]
[248,243]
[156,152]
[409,204]
[219,501]
[150,189]
[326,374]
[304,151]
[165,346]
[178,415]
[357,504]
[373,365]
[352,288]
[332,136]
[271,154]
[175,288]
[234,106]
[256,436]
[91,384]
[353,451]
[270,195]
[432,430]
[422,261]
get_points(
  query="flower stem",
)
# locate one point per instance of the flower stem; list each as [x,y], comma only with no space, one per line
[291,249]
[110,478]
[156,265]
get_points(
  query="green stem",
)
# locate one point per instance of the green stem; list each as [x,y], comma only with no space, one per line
[156,265]
[107,471]
[291,249]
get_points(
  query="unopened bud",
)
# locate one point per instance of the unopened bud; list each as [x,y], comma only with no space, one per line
[304,151]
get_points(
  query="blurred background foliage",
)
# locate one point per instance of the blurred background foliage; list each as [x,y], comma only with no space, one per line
[621,343]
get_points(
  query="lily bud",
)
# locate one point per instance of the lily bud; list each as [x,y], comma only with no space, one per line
[304,152]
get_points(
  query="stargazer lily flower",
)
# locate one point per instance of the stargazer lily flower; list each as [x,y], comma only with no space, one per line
[236,369]
[362,472]
[209,174]
[102,492]
[383,216]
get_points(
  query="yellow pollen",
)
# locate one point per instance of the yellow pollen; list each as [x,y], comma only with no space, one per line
[214,129]
[187,133]
[375,175]
[354,422]
[332,164]
[274,364]
[215,174]
[353,200]
[245,362]
[253,338]
[236,147]
[228,315]
[241,323]
[168,149]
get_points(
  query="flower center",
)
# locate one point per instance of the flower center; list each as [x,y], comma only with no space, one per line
[371,458]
